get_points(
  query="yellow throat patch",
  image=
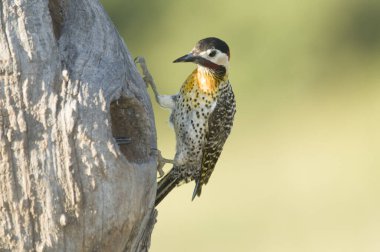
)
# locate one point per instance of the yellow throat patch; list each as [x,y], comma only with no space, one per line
[206,81]
[202,80]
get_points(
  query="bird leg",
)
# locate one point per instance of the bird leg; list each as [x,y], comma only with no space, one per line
[165,101]
[161,161]
[147,77]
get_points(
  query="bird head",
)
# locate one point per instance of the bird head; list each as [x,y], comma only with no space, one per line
[210,53]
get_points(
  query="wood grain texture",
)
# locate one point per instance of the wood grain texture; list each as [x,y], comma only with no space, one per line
[64,183]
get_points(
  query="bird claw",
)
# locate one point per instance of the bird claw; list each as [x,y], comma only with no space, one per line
[161,172]
[160,164]
[161,161]
[147,77]
[141,61]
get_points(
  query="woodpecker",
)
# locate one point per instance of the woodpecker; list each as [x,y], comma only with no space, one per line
[202,114]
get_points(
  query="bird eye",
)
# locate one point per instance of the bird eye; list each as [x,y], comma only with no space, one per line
[212,53]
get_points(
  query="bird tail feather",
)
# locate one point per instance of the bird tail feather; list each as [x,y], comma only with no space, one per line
[198,189]
[165,185]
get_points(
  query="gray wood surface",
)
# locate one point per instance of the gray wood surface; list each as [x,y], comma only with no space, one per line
[65,185]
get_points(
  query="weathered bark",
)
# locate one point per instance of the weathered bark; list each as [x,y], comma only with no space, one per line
[65,185]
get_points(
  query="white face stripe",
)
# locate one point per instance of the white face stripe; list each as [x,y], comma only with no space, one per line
[220,57]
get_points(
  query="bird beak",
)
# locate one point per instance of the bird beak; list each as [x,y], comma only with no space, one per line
[186,58]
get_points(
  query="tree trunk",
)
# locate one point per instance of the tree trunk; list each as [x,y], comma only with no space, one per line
[65,185]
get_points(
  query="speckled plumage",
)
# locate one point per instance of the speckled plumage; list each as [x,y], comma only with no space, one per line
[202,116]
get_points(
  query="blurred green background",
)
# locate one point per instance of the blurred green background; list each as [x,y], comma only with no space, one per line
[301,169]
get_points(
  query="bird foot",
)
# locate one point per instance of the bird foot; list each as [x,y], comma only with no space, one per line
[147,77]
[161,161]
